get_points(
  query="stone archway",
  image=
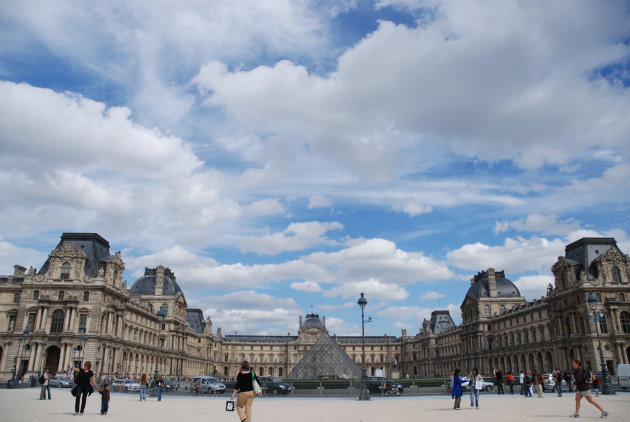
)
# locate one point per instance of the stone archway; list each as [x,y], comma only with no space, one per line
[53,354]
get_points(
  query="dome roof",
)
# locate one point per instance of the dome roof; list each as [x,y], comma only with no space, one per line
[505,288]
[313,321]
[145,285]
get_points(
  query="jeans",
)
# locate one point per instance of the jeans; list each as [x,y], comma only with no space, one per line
[143,393]
[474,397]
[159,393]
[42,394]
[511,384]
[570,385]
[499,387]
[104,406]
[558,388]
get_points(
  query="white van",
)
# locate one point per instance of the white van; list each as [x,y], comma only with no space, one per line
[623,374]
[208,385]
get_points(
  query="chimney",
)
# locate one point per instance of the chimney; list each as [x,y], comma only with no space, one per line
[492,283]
[18,270]
[159,281]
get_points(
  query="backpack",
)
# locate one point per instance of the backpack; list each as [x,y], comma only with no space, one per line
[42,379]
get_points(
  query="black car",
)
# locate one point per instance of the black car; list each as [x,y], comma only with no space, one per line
[382,384]
[273,385]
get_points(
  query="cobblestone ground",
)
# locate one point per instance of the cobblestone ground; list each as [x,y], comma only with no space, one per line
[23,405]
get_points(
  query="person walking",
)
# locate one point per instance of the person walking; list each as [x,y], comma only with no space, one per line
[510,380]
[527,384]
[244,387]
[456,392]
[44,382]
[521,380]
[475,383]
[144,384]
[159,385]
[498,380]
[557,378]
[538,383]
[596,383]
[583,389]
[84,381]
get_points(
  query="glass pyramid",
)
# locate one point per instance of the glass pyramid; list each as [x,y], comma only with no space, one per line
[325,359]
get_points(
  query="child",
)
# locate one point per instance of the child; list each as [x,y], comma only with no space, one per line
[105,399]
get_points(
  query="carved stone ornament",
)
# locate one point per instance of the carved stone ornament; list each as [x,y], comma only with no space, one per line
[613,255]
[595,281]
[67,250]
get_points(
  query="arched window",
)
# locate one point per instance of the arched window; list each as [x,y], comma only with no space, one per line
[36,295]
[625,322]
[616,275]
[86,296]
[603,326]
[57,321]
[65,271]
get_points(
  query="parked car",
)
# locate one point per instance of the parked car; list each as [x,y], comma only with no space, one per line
[396,383]
[486,386]
[623,375]
[549,383]
[62,382]
[121,384]
[274,385]
[208,385]
[381,384]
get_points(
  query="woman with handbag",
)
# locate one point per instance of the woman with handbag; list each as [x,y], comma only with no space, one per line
[475,383]
[84,380]
[246,387]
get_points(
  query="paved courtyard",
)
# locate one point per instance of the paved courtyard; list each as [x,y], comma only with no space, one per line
[23,405]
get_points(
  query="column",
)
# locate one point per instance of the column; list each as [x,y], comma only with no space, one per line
[38,319]
[44,318]
[615,318]
[33,356]
[110,323]
[62,357]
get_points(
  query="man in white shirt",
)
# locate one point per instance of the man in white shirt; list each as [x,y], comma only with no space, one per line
[521,379]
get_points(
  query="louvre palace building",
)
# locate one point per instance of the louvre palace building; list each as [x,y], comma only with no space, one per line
[77,307]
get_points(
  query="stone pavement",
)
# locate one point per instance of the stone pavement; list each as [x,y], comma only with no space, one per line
[23,405]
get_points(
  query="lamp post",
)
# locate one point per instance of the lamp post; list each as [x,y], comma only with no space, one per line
[18,364]
[592,302]
[363,395]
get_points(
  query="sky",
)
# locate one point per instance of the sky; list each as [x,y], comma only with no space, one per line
[281,157]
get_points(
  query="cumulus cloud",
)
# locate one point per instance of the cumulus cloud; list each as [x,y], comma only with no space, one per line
[514,256]
[270,206]
[319,201]
[11,255]
[307,286]
[432,295]
[371,287]
[296,237]
[534,286]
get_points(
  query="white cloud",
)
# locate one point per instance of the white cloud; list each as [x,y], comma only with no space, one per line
[534,286]
[319,201]
[307,286]
[371,287]
[545,224]
[270,206]
[11,255]
[514,256]
[296,237]
[432,295]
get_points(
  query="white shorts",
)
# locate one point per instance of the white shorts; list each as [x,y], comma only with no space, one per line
[586,393]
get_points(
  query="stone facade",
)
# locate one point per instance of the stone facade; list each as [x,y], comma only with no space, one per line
[78,307]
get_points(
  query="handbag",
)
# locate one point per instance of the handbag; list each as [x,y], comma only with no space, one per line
[257,388]
[230,406]
[74,389]
[478,385]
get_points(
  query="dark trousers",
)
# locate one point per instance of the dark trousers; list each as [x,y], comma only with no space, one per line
[458,401]
[159,393]
[81,398]
[511,384]
[522,389]
[499,387]
[104,406]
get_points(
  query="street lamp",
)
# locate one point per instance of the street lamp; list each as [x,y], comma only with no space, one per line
[592,302]
[363,395]
[18,364]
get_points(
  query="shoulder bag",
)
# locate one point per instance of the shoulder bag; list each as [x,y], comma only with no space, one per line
[257,388]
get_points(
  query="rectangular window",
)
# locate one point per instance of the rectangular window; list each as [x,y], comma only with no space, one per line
[82,323]
[16,298]
[61,295]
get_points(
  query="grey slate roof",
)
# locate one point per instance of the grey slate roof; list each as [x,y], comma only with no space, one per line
[194,317]
[92,244]
[145,285]
[505,288]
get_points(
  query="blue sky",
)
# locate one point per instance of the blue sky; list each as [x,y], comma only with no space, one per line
[279,155]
